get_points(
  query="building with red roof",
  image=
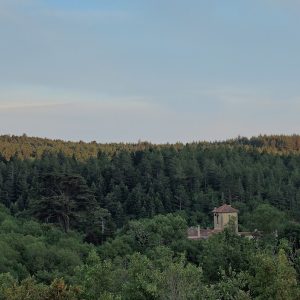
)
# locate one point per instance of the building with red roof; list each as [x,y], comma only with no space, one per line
[223,216]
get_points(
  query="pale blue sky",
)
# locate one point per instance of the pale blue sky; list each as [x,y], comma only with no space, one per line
[159,70]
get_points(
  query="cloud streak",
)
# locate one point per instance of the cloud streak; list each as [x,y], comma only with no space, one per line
[67,115]
[128,121]
[22,106]
[123,121]
[95,15]
[242,97]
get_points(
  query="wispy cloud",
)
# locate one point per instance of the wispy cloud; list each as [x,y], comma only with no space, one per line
[21,96]
[129,121]
[247,97]
[95,15]
[106,121]
[17,8]
[22,106]
[69,115]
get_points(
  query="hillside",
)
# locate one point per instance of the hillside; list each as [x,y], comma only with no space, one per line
[130,181]
[33,147]
[89,220]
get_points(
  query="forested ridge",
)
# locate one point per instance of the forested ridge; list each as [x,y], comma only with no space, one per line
[34,147]
[108,221]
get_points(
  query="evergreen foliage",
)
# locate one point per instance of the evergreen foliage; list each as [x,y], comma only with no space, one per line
[91,221]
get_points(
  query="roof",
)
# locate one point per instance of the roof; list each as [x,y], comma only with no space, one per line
[195,233]
[225,209]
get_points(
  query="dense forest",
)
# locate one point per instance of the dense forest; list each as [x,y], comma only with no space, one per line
[108,221]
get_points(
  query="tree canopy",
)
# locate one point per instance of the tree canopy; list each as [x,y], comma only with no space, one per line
[109,221]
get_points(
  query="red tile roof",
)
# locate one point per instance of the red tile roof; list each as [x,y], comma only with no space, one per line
[225,209]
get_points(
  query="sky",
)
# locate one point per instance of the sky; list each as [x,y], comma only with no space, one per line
[159,71]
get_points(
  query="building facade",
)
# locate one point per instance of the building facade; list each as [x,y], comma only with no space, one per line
[224,216]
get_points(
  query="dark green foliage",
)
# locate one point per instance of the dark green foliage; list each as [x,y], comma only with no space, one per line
[28,248]
[225,252]
[141,236]
[68,201]
[266,218]
[133,203]
[64,180]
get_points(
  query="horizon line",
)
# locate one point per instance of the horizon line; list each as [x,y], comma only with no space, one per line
[141,141]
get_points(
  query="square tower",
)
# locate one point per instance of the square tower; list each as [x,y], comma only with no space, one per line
[223,215]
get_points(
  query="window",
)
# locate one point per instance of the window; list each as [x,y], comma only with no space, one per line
[217,216]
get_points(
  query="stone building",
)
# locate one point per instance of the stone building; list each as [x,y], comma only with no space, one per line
[223,216]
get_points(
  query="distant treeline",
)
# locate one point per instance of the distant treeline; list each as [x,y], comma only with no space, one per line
[25,147]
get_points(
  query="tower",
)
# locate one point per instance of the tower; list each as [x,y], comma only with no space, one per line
[223,215]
